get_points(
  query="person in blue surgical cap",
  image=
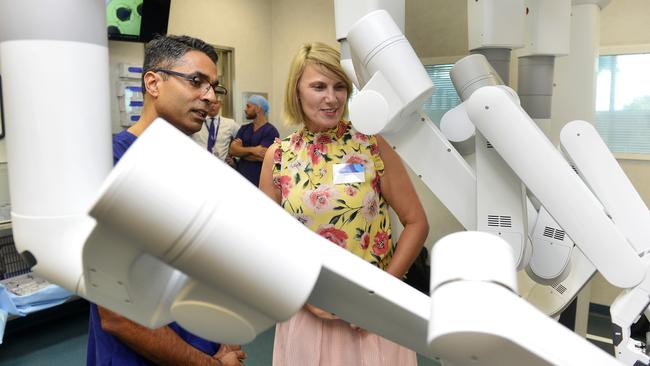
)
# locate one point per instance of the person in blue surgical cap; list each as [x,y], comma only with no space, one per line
[253,139]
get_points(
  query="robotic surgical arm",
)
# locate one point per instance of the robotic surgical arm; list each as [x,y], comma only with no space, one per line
[607,204]
[496,113]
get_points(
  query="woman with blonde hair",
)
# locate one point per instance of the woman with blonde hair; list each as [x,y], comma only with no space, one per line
[339,183]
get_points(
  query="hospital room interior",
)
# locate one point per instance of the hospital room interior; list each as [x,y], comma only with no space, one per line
[515,135]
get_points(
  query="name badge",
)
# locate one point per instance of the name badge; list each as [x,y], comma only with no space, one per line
[349,173]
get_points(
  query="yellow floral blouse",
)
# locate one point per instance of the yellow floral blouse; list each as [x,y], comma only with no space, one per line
[351,215]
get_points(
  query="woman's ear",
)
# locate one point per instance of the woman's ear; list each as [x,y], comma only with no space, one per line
[151,83]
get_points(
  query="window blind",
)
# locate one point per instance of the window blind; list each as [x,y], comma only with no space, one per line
[623,102]
[445,97]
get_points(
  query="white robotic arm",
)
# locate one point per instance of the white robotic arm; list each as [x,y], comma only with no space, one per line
[598,168]
[393,111]
[504,330]
[512,132]
[395,132]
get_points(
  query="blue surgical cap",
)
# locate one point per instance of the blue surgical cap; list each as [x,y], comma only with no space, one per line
[259,101]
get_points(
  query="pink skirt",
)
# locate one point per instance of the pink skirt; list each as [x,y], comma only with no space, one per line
[306,340]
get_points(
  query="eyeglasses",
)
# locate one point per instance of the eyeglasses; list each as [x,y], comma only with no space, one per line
[197,81]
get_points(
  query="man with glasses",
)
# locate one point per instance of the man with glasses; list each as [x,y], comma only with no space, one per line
[217,133]
[179,84]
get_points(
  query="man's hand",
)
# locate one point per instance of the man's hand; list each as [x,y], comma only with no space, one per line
[251,153]
[230,161]
[259,151]
[161,346]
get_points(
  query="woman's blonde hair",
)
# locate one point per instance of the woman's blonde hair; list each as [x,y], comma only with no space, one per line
[321,55]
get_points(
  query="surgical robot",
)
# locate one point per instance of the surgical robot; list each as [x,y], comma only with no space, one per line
[509,143]
[133,240]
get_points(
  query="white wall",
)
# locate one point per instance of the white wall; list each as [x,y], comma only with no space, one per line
[244,25]
[437,28]
[295,22]
[625,22]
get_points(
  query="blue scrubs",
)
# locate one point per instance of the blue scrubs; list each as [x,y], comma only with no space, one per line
[264,136]
[103,348]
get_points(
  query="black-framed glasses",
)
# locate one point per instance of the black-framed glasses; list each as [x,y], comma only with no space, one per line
[197,81]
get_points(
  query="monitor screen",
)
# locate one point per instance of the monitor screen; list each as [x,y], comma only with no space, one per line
[136,20]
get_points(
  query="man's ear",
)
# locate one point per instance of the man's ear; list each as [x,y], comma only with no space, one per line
[151,83]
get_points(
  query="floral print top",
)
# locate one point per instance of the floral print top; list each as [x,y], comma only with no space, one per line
[351,215]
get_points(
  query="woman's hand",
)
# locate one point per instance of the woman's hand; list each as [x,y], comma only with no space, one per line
[320,313]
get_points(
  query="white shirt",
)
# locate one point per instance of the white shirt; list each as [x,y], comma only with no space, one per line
[227,130]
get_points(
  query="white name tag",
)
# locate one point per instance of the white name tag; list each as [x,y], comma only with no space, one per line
[349,173]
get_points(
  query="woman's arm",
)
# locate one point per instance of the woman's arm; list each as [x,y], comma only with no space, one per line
[397,189]
[266,176]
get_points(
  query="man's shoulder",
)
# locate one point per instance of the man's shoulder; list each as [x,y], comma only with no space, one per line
[229,122]
[121,142]
[124,135]
[201,135]
[123,138]
[272,128]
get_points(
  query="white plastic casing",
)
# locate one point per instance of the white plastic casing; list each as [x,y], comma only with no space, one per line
[605,177]
[383,60]
[118,275]
[346,13]
[484,257]
[554,298]
[371,298]
[600,3]
[164,201]
[459,130]
[495,23]
[548,28]
[500,200]
[504,329]
[549,263]
[58,147]
[536,161]
[473,72]
[432,157]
